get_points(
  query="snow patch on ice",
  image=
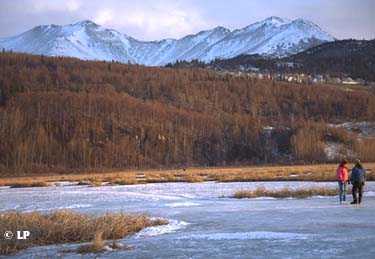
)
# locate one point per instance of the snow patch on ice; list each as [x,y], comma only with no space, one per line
[72,206]
[182,204]
[149,196]
[172,227]
[76,206]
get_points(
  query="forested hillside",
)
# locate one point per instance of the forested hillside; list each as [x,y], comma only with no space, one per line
[67,115]
[355,58]
[340,58]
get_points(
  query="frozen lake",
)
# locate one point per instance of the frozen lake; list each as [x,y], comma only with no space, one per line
[203,224]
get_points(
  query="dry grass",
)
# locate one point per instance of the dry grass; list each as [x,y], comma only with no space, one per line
[162,177]
[323,172]
[285,193]
[193,178]
[95,182]
[69,227]
[96,246]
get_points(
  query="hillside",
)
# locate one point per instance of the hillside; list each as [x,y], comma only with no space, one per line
[67,115]
[87,40]
[355,58]
[341,58]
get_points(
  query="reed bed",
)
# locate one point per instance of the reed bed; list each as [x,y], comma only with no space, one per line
[285,193]
[66,226]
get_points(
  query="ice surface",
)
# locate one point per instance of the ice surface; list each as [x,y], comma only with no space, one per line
[205,225]
[248,235]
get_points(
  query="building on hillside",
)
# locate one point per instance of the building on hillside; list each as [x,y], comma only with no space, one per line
[350,81]
[335,80]
[318,79]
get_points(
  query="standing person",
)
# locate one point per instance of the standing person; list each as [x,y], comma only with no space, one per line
[342,178]
[358,179]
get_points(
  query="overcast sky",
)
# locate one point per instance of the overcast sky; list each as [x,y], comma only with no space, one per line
[157,19]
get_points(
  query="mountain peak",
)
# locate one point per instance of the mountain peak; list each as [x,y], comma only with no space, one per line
[220,28]
[275,20]
[85,23]
[304,22]
[309,26]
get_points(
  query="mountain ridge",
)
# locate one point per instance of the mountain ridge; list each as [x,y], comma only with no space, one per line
[87,40]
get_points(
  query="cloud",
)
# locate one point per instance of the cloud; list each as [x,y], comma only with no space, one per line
[152,19]
[39,6]
[104,16]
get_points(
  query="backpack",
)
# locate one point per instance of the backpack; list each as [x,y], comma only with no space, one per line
[358,175]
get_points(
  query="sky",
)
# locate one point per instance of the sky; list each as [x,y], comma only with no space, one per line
[159,19]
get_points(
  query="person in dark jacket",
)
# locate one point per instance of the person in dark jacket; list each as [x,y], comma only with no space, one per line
[358,180]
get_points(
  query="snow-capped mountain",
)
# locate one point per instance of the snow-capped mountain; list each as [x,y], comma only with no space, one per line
[274,36]
[86,40]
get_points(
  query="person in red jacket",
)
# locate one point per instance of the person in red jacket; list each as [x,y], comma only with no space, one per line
[342,178]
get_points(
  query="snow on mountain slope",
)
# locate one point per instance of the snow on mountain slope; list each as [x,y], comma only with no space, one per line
[186,48]
[274,36]
[86,40]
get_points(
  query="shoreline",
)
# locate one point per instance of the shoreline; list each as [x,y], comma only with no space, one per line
[316,173]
